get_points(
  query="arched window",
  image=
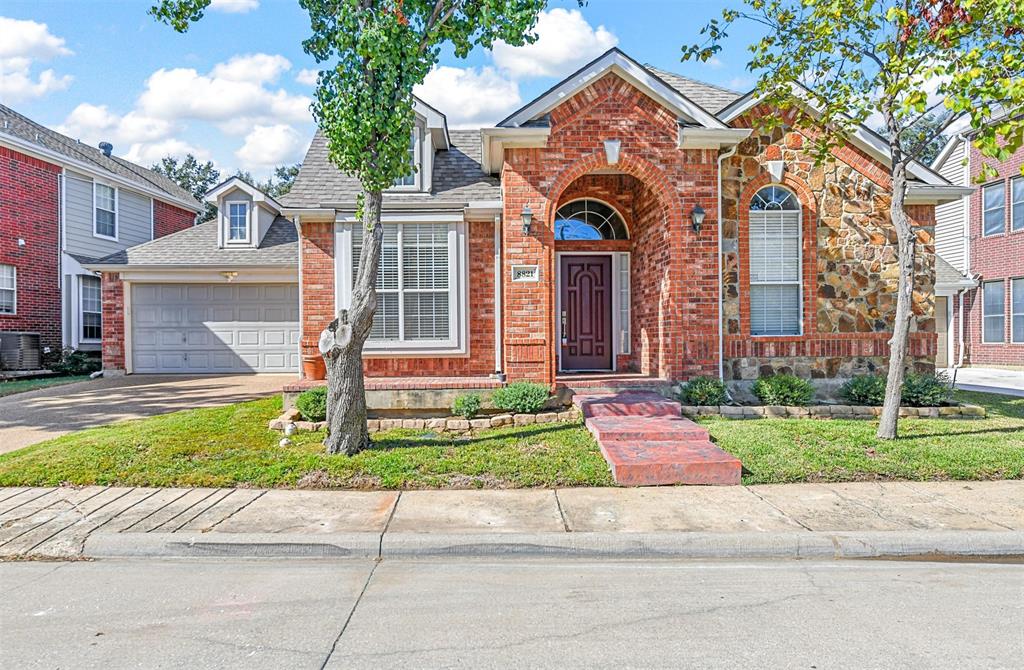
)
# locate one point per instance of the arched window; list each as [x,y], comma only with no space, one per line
[589,220]
[775,263]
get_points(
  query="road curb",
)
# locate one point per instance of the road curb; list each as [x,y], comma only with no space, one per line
[679,545]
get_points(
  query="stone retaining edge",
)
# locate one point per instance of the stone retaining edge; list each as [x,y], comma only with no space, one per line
[439,424]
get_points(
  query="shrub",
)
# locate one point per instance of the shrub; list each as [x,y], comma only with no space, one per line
[467,406]
[521,397]
[864,390]
[783,390]
[70,361]
[312,404]
[703,391]
[926,390]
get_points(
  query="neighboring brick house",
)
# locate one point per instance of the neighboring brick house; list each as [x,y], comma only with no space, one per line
[64,204]
[982,239]
[627,228]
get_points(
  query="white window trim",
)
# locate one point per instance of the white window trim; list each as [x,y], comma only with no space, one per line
[81,312]
[227,223]
[15,290]
[800,266]
[1001,184]
[621,346]
[417,184]
[1013,281]
[985,315]
[458,287]
[1015,204]
[117,226]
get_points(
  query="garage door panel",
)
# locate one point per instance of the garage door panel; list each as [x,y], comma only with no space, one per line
[193,328]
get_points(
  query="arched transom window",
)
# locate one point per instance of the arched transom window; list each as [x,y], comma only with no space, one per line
[589,220]
[775,263]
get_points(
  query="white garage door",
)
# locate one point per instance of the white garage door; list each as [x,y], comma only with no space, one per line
[196,328]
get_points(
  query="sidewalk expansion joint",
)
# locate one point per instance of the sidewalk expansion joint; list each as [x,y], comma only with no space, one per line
[561,512]
[261,494]
[351,613]
[387,525]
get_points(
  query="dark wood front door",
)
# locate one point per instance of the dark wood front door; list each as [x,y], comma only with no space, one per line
[586,312]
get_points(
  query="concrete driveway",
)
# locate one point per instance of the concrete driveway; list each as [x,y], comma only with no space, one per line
[989,380]
[27,418]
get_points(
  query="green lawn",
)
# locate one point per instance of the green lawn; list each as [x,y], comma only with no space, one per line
[231,446]
[22,385]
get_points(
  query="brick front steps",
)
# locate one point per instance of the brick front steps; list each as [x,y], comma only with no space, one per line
[646,441]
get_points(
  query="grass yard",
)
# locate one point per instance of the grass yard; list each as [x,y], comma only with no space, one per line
[231,446]
[22,385]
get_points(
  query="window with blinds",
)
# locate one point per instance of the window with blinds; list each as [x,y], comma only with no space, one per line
[775,263]
[993,312]
[415,288]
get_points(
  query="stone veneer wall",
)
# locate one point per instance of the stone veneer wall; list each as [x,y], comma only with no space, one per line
[849,263]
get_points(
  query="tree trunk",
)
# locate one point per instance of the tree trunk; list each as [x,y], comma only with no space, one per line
[887,424]
[341,344]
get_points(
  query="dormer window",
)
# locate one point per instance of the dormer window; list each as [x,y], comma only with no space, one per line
[238,222]
[411,180]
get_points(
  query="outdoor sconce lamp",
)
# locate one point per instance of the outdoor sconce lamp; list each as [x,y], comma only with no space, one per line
[611,151]
[697,216]
[527,216]
[229,275]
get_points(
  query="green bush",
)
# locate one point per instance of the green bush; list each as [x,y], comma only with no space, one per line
[926,390]
[467,406]
[703,391]
[312,404]
[521,397]
[72,362]
[864,390]
[783,390]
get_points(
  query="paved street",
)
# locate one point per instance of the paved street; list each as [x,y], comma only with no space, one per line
[481,614]
[34,416]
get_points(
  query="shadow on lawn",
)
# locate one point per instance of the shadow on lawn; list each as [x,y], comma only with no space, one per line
[427,439]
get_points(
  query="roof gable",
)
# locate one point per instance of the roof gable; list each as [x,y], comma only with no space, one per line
[628,69]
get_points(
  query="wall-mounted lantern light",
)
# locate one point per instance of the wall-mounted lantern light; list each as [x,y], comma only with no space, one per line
[697,216]
[527,217]
[611,151]
[230,276]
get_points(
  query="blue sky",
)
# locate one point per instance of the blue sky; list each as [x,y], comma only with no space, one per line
[235,89]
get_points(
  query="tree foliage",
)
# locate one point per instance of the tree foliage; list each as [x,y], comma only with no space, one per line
[193,176]
[277,184]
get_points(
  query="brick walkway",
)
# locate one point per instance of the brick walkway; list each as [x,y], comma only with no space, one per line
[647,442]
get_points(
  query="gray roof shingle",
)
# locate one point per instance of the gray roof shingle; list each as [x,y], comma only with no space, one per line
[24,128]
[197,247]
[946,273]
[458,177]
[710,97]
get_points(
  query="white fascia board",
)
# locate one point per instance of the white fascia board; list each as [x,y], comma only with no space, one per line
[711,138]
[407,217]
[311,214]
[483,210]
[494,141]
[954,287]
[863,137]
[436,122]
[93,170]
[928,194]
[944,153]
[200,274]
[614,61]
[257,195]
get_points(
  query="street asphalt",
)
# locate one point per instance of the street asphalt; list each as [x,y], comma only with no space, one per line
[499,614]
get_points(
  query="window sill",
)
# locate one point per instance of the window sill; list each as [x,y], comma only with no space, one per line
[406,351]
[105,237]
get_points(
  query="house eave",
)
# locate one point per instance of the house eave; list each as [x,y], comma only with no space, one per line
[929,194]
[494,141]
[691,137]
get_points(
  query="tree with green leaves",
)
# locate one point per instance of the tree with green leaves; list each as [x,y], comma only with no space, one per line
[191,175]
[922,140]
[277,184]
[837,63]
[372,53]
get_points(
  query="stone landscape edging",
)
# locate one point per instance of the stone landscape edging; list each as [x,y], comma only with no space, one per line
[446,424]
[829,411]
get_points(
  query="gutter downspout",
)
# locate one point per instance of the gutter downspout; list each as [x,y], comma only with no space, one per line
[498,356]
[721,292]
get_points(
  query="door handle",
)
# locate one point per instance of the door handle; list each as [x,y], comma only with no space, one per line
[565,340]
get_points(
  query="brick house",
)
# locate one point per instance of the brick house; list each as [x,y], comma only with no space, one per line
[626,228]
[62,205]
[981,239]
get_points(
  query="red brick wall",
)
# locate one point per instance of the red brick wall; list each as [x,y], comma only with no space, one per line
[676,181]
[112,290]
[29,210]
[318,307]
[169,219]
[997,257]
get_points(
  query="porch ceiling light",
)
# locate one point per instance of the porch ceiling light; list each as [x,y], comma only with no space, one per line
[527,217]
[229,275]
[611,151]
[697,216]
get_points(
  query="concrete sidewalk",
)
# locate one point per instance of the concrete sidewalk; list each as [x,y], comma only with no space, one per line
[795,520]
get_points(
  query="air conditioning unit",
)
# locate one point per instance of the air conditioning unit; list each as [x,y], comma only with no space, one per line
[20,351]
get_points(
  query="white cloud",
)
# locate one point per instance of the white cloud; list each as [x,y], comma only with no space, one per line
[96,123]
[256,68]
[267,146]
[22,43]
[148,154]
[470,97]
[307,77]
[714,62]
[565,41]
[234,6]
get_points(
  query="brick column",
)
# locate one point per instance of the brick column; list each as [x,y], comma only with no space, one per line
[112,289]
